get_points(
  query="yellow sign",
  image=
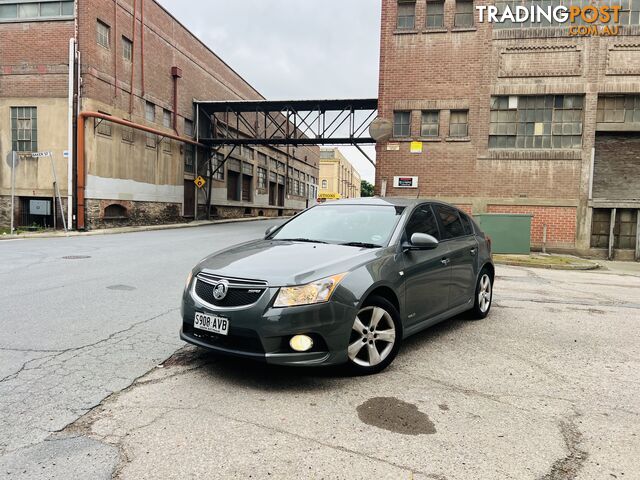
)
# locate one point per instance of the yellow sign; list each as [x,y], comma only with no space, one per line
[329,196]
[416,147]
[200,182]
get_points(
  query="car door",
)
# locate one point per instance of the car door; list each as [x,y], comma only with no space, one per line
[426,272]
[463,254]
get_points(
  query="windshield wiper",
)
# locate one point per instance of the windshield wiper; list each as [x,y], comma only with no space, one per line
[307,240]
[361,244]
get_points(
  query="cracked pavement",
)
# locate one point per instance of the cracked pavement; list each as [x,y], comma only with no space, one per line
[545,388]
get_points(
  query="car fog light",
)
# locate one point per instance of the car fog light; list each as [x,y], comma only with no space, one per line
[301,343]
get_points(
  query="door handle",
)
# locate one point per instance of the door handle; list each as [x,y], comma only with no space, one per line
[445,261]
[474,251]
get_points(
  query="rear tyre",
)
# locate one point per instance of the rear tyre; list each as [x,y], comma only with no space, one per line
[483,296]
[375,337]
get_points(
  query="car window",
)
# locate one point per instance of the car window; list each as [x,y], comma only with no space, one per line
[423,221]
[450,221]
[466,224]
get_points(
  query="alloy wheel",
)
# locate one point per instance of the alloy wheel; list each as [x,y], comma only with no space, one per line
[373,336]
[484,294]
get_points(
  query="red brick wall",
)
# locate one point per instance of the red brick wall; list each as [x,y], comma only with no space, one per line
[560,221]
[34,58]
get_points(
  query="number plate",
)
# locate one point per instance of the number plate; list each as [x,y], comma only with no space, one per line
[211,323]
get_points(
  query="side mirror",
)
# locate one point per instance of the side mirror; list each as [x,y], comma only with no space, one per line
[270,230]
[422,241]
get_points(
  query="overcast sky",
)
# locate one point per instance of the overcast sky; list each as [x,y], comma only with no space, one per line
[294,49]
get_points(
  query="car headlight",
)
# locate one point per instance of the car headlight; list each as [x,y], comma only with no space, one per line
[189,277]
[319,291]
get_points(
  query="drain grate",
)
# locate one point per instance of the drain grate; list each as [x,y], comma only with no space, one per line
[76,257]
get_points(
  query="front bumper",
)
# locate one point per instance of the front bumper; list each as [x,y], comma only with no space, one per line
[261,332]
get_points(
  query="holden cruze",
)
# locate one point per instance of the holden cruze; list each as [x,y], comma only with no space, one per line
[340,283]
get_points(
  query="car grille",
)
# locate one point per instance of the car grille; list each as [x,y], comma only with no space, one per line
[239,339]
[241,292]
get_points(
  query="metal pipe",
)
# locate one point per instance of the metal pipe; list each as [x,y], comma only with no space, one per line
[133,57]
[142,44]
[72,61]
[81,181]
[115,48]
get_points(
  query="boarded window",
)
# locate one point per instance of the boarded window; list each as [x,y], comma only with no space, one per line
[115,212]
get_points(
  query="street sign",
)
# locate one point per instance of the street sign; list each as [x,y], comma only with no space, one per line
[40,154]
[200,182]
[13,159]
[416,147]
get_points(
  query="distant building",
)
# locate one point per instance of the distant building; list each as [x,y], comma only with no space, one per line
[337,176]
[515,118]
[144,67]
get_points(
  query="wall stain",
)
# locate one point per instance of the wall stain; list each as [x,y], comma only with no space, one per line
[396,416]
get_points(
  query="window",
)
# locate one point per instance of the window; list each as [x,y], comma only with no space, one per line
[544,121]
[450,221]
[435,14]
[103,33]
[150,116]
[406,14]
[430,124]
[166,118]
[325,184]
[24,129]
[629,13]
[422,221]
[189,150]
[459,123]
[115,212]
[127,134]
[127,49]
[466,224]
[401,124]
[619,109]
[35,10]
[464,13]
[262,179]
[327,154]
[218,167]
[103,127]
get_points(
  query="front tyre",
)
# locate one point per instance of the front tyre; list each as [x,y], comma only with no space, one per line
[375,337]
[484,295]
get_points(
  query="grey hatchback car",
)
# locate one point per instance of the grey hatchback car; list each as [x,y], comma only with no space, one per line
[340,283]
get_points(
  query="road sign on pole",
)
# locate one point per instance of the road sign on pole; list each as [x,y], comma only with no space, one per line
[13,160]
[200,182]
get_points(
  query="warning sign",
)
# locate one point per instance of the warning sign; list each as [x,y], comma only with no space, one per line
[200,182]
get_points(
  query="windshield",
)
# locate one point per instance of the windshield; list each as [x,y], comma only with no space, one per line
[369,225]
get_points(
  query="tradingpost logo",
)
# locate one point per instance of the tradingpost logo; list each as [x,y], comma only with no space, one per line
[586,20]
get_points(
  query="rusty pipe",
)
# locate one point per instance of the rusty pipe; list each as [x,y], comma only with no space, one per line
[133,58]
[142,45]
[82,174]
[115,48]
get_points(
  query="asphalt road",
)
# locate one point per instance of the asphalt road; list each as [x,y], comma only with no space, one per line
[83,317]
[545,388]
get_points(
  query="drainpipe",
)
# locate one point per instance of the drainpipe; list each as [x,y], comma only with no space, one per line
[81,182]
[142,44]
[72,62]
[115,48]
[176,73]
[133,57]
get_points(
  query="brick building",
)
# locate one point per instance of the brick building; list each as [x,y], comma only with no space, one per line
[338,177]
[516,118]
[127,54]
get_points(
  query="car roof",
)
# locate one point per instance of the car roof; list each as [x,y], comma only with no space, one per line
[386,201]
